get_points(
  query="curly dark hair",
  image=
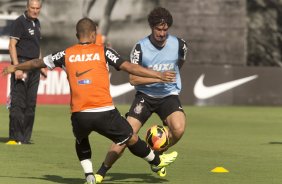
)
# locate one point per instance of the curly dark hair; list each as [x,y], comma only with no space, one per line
[160,15]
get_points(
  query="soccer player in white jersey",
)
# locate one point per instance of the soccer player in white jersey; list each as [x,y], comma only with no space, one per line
[159,51]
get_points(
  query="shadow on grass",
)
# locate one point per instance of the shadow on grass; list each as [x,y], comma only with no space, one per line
[62,180]
[111,178]
[118,178]
[4,139]
[51,178]
[275,142]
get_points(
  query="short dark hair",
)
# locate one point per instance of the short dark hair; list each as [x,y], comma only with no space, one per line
[85,26]
[160,15]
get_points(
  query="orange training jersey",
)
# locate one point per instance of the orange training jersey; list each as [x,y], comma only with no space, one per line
[88,77]
[86,66]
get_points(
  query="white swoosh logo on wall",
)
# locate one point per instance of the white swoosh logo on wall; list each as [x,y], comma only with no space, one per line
[118,90]
[203,92]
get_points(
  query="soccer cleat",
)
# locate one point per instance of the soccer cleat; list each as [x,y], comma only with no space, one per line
[166,159]
[162,172]
[13,143]
[99,178]
[90,179]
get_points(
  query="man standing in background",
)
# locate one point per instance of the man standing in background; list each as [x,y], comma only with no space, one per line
[24,45]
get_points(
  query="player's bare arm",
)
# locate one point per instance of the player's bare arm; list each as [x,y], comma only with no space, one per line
[137,80]
[28,65]
[167,76]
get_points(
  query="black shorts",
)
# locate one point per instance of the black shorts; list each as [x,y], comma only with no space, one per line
[109,124]
[143,106]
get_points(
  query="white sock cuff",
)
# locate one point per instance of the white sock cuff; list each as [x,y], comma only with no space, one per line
[87,166]
[150,157]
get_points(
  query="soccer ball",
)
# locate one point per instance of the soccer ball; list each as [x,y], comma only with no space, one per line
[157,137]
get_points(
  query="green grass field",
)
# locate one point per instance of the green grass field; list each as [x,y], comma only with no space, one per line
[247,141]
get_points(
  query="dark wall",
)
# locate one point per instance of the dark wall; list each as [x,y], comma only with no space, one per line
[264,32]
[214,29]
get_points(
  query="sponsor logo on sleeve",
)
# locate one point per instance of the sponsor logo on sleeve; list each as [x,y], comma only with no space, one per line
[58,56]
[113,57]
[136,56]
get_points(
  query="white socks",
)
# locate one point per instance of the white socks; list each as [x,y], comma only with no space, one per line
[150,157]
[87,166]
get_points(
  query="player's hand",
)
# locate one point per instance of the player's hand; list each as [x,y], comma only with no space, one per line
[169,76]
[9,69]
[19,74]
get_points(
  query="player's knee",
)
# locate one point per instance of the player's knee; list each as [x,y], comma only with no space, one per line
[132,140]
[83,149]
[117,150]
[135,124]
[178,133]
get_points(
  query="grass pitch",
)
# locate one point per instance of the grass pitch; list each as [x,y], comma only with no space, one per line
[247,141]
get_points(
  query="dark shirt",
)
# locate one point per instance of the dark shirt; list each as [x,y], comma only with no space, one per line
[27,32]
